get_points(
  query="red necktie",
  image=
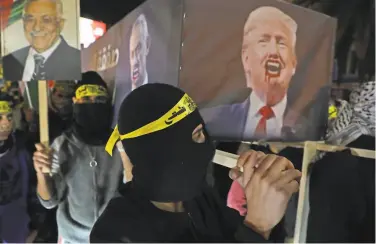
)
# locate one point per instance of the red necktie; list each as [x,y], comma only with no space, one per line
[266,113]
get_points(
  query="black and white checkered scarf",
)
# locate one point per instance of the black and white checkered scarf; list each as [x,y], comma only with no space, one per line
[354,118]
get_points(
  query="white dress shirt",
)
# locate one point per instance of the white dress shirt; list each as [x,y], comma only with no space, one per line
[30,63]
[144,83]
[273,125]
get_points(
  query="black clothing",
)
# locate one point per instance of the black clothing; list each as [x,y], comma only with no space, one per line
[132,218]
[341,196]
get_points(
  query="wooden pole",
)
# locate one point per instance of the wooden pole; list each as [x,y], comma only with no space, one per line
[310,150]
[43,113]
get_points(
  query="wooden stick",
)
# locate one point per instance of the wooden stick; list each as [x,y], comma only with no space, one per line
[321,146]
[43,115]
[310,150]
[225,159]
[229,160]
[43,112]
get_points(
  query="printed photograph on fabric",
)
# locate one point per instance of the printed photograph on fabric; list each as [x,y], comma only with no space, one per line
[263,67]
[47,46]
[150,48]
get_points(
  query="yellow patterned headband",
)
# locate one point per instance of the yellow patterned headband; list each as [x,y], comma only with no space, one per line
[332,112]
[181,110]
[5,107]
[91,90]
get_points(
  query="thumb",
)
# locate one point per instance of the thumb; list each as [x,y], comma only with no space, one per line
[235,173]
[39,147]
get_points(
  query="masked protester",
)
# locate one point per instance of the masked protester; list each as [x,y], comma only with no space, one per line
[18,201]
[342,186]
[168,199]
[77,175]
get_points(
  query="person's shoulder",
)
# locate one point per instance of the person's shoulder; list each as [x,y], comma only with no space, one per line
[21,142]
[122,221]
[68,48]
[20,136]
[62,140]
[16,55]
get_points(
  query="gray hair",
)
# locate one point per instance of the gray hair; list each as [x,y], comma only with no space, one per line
[59,6]
[141,21]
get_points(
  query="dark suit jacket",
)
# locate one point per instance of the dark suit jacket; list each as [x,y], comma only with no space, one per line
[63,64]
[227,122]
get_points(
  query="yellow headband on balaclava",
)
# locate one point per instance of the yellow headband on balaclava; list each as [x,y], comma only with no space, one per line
[182,109]
[5,107]
[91,90]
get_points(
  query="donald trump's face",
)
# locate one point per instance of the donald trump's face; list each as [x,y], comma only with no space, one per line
[268,55]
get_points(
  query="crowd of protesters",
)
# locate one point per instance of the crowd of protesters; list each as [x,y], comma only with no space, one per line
[74,190]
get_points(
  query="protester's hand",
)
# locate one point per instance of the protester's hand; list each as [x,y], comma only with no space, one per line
[237,172]
[32,236]
[268,182]
[42,159]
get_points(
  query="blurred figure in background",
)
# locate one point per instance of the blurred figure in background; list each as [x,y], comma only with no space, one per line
[342,186]
[19,206]
[60,107]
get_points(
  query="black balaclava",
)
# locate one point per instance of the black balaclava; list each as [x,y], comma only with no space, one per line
[92,121]
[168,166]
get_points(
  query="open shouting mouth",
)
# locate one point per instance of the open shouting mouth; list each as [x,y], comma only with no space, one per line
[273,68]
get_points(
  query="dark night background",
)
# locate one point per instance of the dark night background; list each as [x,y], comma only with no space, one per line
[107,11]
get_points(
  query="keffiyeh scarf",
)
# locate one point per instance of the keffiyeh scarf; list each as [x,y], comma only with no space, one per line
[354,118]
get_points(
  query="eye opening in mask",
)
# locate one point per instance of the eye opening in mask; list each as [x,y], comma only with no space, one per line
[198,135]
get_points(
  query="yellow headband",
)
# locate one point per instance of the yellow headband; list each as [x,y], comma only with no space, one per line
[91,90]
[5,107]
[332,112]
[181,110]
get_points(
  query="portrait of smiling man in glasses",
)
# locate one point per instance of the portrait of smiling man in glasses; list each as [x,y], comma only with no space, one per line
[48,56]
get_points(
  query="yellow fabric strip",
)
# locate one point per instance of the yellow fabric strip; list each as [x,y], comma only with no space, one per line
[332,112]
[5,107]
[181,110]
[91,90]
